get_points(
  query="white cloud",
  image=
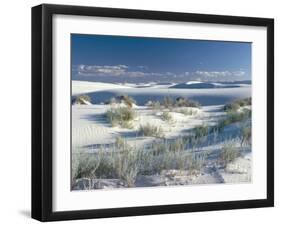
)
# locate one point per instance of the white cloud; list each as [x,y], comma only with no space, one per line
[112,70]
[219,74]
[89,70]
[126,71]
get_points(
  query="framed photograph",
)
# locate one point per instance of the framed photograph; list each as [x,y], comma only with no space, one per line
[145,112]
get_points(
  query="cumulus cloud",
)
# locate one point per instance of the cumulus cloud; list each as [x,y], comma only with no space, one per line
[112,70]
[89,70]
[219,74]
[122,71]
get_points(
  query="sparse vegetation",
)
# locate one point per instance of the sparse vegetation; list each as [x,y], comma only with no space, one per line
[166,116]
[228,153]
[125,162]
[184,102]
[178,145]
[151,156]
[127,100]
[235,105]
[82,99]
[169,103]
[121,116]
[233,117]
[201,131]
[155,105]
[246,135]
[84,165]
[149,130]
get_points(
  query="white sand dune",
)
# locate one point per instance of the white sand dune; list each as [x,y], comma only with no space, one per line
[102,92]
[90,129]
[82,87]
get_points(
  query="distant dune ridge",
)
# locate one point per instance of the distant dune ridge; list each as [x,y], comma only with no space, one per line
[205,93]
[208,85]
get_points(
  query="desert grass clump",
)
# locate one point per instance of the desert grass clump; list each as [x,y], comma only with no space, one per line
[149,130]
[239,116]
[82,99]
[201,131]
[126,163]
[168,102]
[233,117]
[228,153]
[245,102]
[192,162]
[231,107]
[84,165]
[127,100]
[155,105]
[246,135]
[158,148]
[122,161]
[184,102]
[196,162]
[121,116]
[166,116]
[178,145]
[235,105]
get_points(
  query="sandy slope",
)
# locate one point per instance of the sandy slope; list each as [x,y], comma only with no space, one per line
[90,127]
[80,87]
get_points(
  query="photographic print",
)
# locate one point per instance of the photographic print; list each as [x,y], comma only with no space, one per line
[130,106]
[152,112]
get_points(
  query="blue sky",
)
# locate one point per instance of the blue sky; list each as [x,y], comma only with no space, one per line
[137,59]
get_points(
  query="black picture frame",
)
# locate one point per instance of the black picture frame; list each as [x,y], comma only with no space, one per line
[42,107]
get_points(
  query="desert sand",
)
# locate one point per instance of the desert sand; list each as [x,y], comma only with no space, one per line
[91,131]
